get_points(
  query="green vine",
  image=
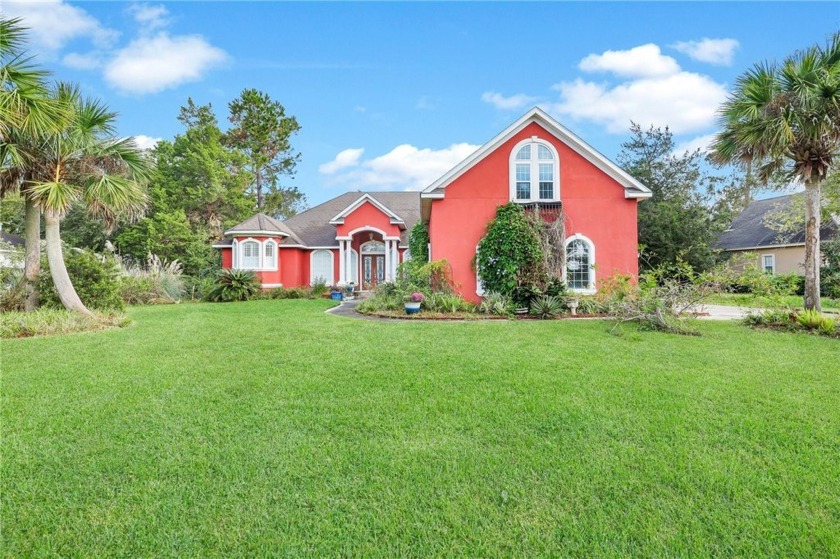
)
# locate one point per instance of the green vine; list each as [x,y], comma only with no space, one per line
[418,243]
[509,256]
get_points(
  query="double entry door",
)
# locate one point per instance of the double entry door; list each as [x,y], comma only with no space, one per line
[373,269]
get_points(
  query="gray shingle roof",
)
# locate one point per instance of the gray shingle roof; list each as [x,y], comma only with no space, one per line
[262,222]
[312,227]
[749,230]
[13,240]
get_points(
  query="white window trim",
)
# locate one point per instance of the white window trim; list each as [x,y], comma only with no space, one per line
[354,270]
[238,246]
[534,162]
[592,269]
[479,285]
[772,259]
[331,279]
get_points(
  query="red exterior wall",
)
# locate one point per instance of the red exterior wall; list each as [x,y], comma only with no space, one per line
[227,258]
[294,267]
[593,202]
[367,215]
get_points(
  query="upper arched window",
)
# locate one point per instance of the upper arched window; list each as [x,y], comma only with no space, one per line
[580,263]
[534,175]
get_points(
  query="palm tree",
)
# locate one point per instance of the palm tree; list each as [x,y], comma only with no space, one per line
[84,161]
[27,112]
[786,119]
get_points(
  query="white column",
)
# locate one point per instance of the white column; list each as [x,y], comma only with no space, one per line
[387,260]
[348,266]
[341,272]
[395,258]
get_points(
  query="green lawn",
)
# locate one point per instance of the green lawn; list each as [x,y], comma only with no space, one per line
[272,429]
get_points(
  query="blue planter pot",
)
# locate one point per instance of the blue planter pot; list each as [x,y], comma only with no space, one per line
[336,295]
[412,307]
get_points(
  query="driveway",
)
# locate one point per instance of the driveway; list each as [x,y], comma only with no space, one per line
[724,312]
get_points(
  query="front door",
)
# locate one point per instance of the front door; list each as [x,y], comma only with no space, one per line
[373,270]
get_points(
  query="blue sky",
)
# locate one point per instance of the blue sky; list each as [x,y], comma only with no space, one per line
[390,95]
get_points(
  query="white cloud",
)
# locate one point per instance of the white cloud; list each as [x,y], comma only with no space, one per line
[686,102]
[148,16]
[518,101]
[638,62]
[345,158]
[53,23]
[152,64]
[703,143]
[406,166]
[88,61]
[713,51]
[146,142]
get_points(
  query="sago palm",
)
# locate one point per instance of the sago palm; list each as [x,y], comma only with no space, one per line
[786,119]
[84,161]
[27,113]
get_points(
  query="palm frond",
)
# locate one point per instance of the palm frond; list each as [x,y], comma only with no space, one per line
[54,196]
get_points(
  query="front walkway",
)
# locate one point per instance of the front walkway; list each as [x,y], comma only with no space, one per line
[348,309]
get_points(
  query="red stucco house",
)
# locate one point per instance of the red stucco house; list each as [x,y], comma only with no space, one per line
[361,237]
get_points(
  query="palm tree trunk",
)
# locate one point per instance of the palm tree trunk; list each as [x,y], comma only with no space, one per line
[32,261]
[812,246]
[61,280]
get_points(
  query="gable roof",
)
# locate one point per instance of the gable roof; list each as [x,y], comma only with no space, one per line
[313,227]
[632,187]
[394,218]
[749,231]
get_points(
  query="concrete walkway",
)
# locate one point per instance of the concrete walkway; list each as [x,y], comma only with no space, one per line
[347,309]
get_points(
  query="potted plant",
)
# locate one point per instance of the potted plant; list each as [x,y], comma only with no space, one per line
[348,291]
[412,302]
[336,293]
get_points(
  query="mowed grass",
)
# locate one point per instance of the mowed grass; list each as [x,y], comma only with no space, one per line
[272,429]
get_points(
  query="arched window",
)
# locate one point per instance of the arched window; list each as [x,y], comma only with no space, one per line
[321,267]
[250,255]
[270,250]
[534,175]
[580,262]
[373,247]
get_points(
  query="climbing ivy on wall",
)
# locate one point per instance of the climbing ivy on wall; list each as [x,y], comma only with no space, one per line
[418,243]
[509,255]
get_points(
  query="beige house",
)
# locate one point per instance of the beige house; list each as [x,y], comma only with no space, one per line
[755,242]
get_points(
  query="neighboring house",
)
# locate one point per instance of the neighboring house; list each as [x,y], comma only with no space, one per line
[361,237]
[10,246]
[777,253]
